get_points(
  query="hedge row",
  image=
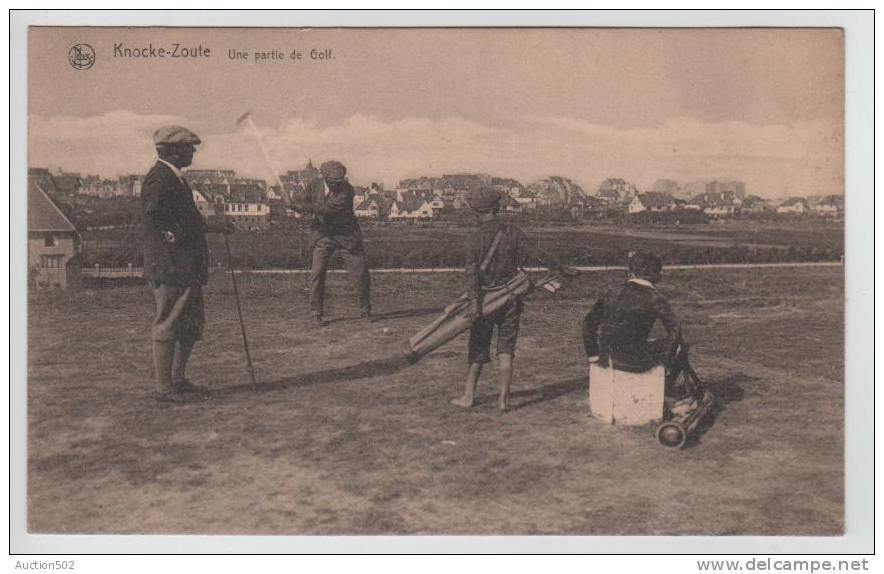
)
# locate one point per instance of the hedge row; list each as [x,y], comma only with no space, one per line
[290,250]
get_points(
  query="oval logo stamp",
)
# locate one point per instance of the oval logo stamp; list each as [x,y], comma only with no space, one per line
[81,56]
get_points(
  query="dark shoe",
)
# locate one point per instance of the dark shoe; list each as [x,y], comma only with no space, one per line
[319,320]
[185,386]
[171,397]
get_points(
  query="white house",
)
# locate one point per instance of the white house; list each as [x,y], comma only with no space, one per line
[205,206]
[831,205]
[526,199]
[651,201]
[720,209]
[247,215]
[636,205]
[415,210]
[368,209]
[793,205]
[53,243]
[716,204]
[436,204]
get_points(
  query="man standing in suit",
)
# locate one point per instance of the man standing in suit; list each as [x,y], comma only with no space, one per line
[335,228]
[176,260]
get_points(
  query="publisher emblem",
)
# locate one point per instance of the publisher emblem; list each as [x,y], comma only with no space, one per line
[81,57]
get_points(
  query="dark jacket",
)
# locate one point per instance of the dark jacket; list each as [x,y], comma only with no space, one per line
[167,205]
[513,251]
[617,328]
[333,213]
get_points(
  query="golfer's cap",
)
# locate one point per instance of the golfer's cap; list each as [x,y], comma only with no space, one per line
[333,170]
[175,135]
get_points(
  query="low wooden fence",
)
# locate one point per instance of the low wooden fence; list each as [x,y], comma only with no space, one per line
[130,271]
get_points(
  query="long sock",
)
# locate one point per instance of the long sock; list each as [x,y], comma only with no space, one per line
[182,355]
[163,356]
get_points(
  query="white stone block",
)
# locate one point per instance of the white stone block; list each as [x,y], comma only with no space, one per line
[623,398]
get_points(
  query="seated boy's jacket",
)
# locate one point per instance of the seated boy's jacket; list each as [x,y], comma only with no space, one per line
[616,329]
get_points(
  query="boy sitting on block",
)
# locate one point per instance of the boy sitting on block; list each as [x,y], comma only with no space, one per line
[616,329]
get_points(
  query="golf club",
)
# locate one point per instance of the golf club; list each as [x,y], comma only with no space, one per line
[242,324]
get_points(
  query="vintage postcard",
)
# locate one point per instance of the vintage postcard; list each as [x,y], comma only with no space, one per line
[447,281]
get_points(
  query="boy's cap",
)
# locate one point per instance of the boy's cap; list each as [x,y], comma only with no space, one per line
[644,264]
[484,200]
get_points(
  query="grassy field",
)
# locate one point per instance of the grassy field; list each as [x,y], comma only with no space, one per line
[342,437]
[576,243]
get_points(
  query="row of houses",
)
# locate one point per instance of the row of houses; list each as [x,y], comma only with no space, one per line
[620,190]
[247,203]
[720,204]
[413,206]
[123,186]
[252,203]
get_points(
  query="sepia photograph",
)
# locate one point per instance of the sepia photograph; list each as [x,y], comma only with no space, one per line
[435,281]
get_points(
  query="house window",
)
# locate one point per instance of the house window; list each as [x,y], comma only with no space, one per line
[49,241]
[51,261]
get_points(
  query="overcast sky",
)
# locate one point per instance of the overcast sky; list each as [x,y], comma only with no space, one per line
[764,106]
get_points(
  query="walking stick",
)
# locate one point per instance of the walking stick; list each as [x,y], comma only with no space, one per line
[242,325]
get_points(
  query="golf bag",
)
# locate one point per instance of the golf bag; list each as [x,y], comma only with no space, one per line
[457,317]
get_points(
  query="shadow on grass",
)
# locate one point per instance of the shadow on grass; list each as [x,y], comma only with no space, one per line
[343,319]
[726,390]
[389,316]
[408,313]
[547,393]
[360,371]
[729,389]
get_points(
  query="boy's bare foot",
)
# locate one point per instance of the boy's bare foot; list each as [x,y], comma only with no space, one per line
[463,402]
[502,403]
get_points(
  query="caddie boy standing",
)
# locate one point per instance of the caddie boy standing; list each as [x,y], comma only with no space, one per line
[494,255]
[329,198]
[176,260]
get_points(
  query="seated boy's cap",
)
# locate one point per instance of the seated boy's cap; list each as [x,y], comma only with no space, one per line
[644,264]
[484,199]
[333,170]
[175,134]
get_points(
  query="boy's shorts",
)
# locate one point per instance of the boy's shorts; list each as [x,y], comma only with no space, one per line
[507,320]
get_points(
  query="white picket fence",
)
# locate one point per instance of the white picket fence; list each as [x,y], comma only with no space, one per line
[99,272]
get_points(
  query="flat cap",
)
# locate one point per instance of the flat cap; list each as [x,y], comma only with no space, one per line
[484,199]
[175,134]
[333,170]
[644,264]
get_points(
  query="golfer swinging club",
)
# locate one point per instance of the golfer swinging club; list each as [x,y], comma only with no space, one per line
[329,199]
[176,260]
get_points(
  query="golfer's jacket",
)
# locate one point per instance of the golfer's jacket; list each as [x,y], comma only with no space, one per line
[182,256]
[617,328]
[332,213]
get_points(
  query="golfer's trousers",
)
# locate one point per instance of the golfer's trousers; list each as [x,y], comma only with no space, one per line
[357,269]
